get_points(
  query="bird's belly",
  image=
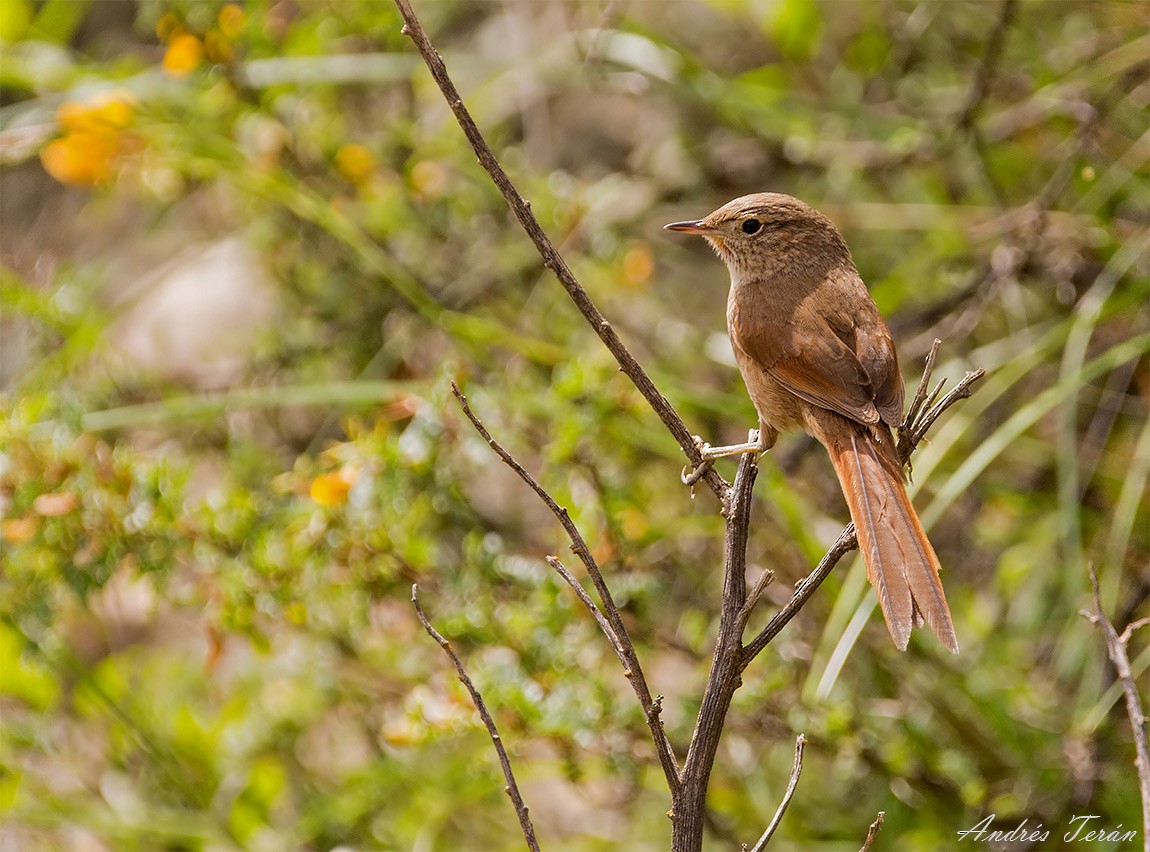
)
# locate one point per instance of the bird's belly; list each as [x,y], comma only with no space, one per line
[777,406]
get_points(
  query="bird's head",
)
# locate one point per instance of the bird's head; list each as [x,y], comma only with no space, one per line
[760,233]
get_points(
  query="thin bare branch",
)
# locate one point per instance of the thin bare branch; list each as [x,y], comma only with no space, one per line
[512,788]
[796,770]
[843,545]
[980,88]
[631,668]
[1116,650]
[581,593]
[521,207]
[872,832]
[934,393]
[1131,627]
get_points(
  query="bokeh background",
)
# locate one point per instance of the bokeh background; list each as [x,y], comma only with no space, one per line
[245,249]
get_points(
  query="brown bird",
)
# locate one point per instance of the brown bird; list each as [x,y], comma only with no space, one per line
[816,354]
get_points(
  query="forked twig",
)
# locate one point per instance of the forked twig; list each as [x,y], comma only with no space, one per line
[924,411]
[618,636]
[918,402]
[512,788]
[521,207]
[796,770]
[1116,650]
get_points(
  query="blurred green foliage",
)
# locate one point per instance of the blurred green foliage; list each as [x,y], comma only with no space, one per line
[205,633]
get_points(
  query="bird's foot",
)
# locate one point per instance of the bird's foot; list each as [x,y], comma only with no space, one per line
[754,444]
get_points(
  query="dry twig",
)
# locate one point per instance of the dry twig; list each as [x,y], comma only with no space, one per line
[967,119]
[585,598]
[796,770]
[924,411]
[512,788]
[1116,650]
[872,832]
[618,635]
[844,544]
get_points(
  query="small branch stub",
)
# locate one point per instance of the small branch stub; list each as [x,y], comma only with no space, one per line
[872,832]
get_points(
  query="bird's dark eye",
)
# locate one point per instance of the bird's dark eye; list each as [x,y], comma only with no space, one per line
[751,226]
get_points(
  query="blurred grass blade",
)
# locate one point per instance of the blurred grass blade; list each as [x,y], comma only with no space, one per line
[199,406]
[1101,710]
[1086,318]
[1027,416]
[1125,512]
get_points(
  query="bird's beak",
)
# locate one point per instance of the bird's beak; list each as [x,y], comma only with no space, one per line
[699,227]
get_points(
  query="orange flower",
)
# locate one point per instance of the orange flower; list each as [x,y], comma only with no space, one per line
[93,138]
[80,158]
[17,530]
[183,55]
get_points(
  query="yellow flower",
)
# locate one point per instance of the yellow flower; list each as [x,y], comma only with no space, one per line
[355,163]
[330,489]
[93,137]
[217,46]
[295,613]
[108,112]
[183,55]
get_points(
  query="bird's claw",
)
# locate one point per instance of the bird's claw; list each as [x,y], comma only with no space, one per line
[689,476]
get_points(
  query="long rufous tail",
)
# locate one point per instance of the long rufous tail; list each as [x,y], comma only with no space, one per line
[900,562]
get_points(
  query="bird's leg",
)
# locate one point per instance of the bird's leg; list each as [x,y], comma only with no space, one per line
[758,441]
